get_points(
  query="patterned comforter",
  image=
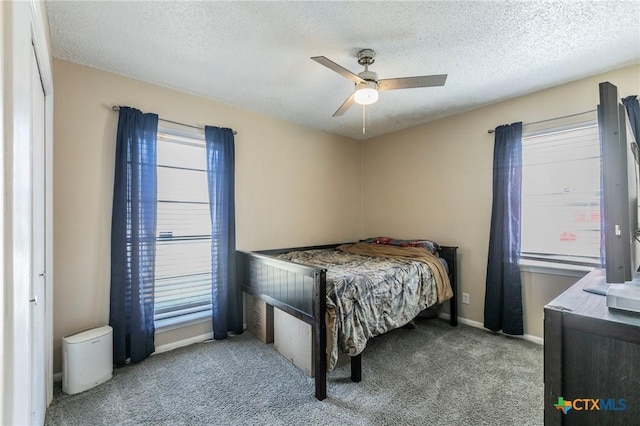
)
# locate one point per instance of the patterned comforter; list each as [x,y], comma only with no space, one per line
[368,295]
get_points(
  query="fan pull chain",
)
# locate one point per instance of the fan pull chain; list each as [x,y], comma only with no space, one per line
[363,121]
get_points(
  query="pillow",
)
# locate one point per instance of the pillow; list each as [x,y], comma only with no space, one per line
[431,246]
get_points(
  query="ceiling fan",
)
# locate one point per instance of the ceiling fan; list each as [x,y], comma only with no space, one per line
[367,84]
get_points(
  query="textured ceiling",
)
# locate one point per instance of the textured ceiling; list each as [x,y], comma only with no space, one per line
[255,55]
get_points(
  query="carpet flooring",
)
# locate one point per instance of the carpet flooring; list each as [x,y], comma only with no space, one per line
[434,374]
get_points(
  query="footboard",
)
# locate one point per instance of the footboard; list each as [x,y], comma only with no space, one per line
[301,290]
[296,289]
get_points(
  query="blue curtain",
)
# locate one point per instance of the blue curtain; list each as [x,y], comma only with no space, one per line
[225,294]
[503,297]
[133,234]
[632,106]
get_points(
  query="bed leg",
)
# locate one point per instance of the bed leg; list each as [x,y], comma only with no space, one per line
[356,368]
[320,335]
[321,387]
[453,309]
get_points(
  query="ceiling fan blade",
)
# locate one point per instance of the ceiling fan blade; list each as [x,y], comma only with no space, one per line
[411,82]
[345,105]
[337,68]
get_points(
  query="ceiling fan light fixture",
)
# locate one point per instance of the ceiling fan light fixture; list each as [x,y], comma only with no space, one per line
[367,83]
[366,93]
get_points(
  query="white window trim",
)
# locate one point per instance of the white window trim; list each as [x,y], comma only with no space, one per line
[553,268]
[191,134]
[554,129]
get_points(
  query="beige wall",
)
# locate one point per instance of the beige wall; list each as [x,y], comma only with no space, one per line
[434,181]
[429,181]
[538,290]
[294,185]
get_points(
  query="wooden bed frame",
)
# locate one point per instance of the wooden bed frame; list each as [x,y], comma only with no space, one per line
[300,291]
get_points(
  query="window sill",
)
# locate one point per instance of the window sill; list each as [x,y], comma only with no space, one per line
[552,268]
[164,325]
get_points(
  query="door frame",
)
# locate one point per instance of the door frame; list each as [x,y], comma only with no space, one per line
[26,31]
[42,48]
[38,249]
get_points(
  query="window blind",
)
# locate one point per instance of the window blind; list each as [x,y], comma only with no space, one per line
[561,195]
[183,239]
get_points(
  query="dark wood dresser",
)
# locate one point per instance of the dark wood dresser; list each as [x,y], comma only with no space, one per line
[591,353]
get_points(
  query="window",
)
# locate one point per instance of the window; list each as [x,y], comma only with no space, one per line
[183,236]
[561,196]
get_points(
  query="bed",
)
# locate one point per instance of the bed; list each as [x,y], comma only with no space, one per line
[390,285]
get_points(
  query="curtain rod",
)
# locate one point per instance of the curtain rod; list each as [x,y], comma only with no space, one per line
[552,119]
[117,108]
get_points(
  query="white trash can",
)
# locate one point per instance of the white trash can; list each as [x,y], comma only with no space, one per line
[87,359]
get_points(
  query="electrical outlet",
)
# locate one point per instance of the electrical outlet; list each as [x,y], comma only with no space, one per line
[465,298]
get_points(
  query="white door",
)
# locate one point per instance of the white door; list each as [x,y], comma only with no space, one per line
[38,276]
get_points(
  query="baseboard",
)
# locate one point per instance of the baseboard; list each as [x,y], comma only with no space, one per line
[181,343]
[476,324]
[57,377]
